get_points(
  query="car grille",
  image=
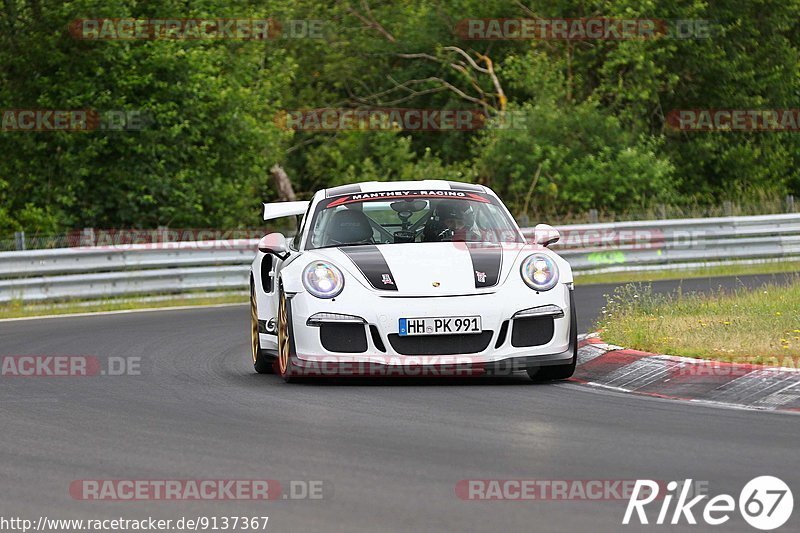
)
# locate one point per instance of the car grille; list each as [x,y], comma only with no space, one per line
[440,344]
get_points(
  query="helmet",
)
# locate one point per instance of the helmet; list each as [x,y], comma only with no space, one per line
[455,210]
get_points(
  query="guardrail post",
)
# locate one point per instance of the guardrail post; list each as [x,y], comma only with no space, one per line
[87,237]
[789,203]
[727,208]
[19,240]
[161,235]
[593,218]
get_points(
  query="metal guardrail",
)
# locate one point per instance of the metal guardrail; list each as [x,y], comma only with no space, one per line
[179,267]
[683,243]
[100,272]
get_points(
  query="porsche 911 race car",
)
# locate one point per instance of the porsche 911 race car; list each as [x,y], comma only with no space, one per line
[410,278]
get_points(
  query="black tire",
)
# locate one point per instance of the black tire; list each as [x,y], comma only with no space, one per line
[286,349]
[263,362]
[549,373]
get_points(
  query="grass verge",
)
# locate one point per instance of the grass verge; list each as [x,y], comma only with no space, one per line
[745,325]
[704,272]
[17,309]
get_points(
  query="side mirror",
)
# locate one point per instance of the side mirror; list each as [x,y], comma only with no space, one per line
[545,235]
[275,244]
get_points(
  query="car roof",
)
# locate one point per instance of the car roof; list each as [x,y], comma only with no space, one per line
[378,186]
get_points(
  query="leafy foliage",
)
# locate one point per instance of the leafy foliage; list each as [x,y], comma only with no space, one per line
[594,134]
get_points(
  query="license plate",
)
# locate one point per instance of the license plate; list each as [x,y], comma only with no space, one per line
[447,325]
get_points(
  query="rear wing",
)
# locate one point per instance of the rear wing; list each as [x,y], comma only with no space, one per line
[284,209]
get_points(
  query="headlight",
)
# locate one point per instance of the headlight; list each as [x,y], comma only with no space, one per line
[540,272]
[323,280]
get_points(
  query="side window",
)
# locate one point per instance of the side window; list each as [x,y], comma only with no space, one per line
[296,240]
[301,225]
[318,230]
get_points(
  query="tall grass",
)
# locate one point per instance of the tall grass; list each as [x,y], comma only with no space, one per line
[759,325]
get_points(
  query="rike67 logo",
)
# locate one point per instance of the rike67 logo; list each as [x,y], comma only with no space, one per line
[765,502]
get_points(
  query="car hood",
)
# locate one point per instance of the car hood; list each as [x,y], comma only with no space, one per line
[427,269]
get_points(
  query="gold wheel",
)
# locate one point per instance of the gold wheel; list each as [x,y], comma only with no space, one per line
[255,346]
[283,335]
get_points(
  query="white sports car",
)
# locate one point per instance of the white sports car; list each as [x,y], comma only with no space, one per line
[410,278]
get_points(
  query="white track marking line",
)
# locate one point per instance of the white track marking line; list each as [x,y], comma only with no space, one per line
[123,311]
[601,388]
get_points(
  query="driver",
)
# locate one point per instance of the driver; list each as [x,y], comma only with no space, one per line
[453,220]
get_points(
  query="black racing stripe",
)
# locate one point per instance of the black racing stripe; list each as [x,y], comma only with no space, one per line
[370,261]
[343,189]
[457,185]
[487,260]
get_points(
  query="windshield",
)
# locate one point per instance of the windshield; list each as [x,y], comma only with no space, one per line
[410,216]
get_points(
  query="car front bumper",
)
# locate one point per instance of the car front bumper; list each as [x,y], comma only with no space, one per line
[383,350]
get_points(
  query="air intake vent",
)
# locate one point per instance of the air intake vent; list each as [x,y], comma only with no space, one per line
[343,338]
[532,331]
[501,338]
[376,338]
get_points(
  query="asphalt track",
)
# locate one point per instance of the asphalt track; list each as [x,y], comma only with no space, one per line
[390,453]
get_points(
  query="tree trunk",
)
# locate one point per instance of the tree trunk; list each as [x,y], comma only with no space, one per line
[283,184]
